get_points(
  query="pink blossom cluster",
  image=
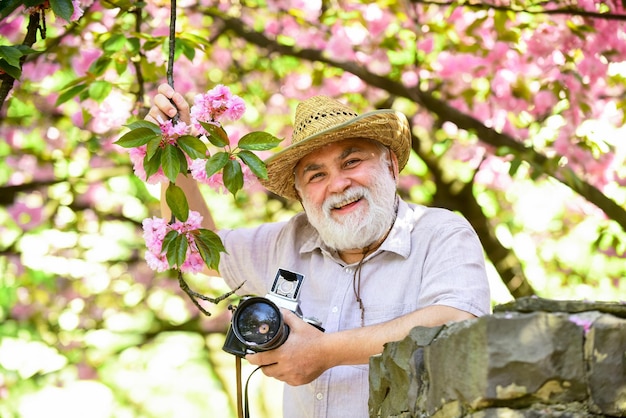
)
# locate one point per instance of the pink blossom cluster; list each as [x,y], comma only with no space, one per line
[170,133]
[216,105]
[78,12]
[154,232]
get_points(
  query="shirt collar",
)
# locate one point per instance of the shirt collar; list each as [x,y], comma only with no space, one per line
[398,241]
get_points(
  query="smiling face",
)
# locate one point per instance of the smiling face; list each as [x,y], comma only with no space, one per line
[348,191]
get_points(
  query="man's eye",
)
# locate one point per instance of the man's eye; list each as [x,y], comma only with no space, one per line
[315,177]
[352,162]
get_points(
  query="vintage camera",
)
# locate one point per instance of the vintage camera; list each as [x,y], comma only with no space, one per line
[257,324]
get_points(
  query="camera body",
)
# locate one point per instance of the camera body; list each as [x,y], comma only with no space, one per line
[257,324]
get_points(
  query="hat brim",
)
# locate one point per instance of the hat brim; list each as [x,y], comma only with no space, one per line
[387,126]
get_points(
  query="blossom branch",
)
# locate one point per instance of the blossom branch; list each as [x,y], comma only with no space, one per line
[195,296]
[172,44]
[443,111]
[138,12]
[567,10]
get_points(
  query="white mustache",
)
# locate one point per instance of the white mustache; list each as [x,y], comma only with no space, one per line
[339,200]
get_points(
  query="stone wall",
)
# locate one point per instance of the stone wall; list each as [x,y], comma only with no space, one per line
[531,358]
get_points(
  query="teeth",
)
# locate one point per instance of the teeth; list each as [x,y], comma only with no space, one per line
[346,202]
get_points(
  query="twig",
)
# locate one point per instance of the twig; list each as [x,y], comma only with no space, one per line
[172,51]
[195,296]
[172,44]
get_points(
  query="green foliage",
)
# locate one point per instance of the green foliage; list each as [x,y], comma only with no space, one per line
[192,146]
[9,6]
[10,59]
[216,134]
[137,137]
[216,163]
[210,246]
[177,202]
[233,176]
[62,8]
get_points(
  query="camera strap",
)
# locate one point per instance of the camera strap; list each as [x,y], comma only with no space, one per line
[238,373]
[243,408]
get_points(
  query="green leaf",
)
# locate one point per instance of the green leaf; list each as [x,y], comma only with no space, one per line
[177,202]
[216,163]
[136,138]
[151,164]
[11,55]
[145,124]
[257,166]
[15,72]
[70,93]
[115,43]
[99,66]
[75,82]
[99,90]
[209,246]
[192,146]
[170,162]
[233,176]
[177,251]
[258,141]
[8,6]
[62,8]
[198,40]
[183,160]
[186,47]
[217,134]
[169,238]
[153,146]
[120,66]
[133,45]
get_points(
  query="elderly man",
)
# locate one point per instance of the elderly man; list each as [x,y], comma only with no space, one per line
[375,266]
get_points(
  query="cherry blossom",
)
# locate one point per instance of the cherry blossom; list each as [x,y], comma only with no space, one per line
[154,231]
[216,105]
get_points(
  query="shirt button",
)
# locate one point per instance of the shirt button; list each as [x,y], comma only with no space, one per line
[319,396]
[348,270]
[335,309]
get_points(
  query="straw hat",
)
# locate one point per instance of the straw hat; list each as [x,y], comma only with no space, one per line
[321,120]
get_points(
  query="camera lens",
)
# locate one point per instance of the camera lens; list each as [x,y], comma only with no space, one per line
[258,323]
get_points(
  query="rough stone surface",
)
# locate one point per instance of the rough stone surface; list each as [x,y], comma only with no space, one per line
[605,351]
[526,360]
[395,376]
[535,304]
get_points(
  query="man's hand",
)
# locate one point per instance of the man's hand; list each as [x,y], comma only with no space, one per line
[300,360]
[166,103]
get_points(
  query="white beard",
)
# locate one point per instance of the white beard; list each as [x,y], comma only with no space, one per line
[360,228]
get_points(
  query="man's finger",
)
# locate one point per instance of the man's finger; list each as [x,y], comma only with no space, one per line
[165,106]
[166,90]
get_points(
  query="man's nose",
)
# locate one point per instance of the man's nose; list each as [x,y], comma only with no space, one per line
[338,182]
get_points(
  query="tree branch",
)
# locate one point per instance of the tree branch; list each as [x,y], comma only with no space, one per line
[538,10]
[444,112]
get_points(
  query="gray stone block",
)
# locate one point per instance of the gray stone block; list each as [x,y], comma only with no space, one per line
[605,351]
[528,360]
[511,358]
